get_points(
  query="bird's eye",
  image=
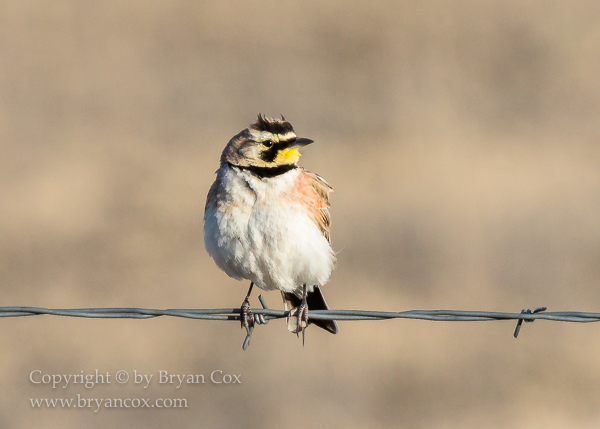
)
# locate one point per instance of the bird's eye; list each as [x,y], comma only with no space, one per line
[268,143]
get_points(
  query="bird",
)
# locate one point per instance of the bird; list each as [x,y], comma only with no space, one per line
[267,220]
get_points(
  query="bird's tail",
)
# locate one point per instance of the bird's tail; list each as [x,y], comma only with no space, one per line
[315,301]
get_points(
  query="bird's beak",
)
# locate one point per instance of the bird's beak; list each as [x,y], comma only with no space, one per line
[300,142]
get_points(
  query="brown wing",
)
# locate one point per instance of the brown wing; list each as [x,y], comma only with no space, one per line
[314,191]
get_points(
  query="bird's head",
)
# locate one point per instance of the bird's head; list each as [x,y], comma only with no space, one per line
[268,143]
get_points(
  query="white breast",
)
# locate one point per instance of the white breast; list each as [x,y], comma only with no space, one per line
[256,232]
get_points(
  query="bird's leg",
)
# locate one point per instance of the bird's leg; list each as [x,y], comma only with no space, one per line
[246,315]
[302,315]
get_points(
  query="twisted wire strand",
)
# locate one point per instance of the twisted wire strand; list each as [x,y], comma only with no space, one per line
[233,314]
[264,315]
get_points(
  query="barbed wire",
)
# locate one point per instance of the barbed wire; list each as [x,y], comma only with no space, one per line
[265,314]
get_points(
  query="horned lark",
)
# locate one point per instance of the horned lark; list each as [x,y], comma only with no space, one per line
[267,220]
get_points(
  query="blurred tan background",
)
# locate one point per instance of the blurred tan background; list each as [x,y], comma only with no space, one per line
[463,144]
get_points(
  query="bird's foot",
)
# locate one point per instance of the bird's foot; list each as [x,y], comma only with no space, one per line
[247,320]
[301,315]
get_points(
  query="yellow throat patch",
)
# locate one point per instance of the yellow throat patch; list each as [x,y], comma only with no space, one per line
[287,156]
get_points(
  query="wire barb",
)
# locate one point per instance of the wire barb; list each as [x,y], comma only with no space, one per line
[520,321]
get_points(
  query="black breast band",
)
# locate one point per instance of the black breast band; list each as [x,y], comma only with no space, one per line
[263,172]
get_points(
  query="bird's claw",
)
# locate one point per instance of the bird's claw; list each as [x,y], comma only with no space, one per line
[301,315]
[247,316]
